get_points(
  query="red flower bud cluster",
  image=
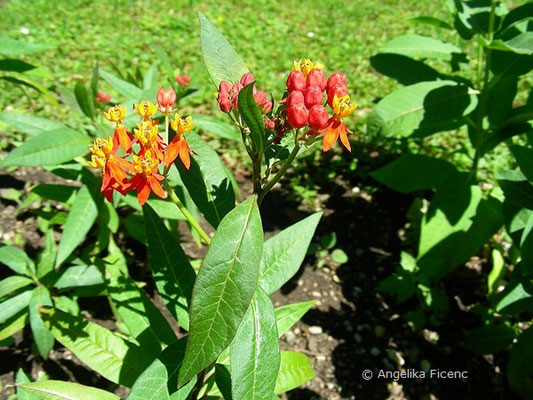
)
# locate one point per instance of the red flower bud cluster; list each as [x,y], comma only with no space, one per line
[228,95]
[103,97]
[183,80]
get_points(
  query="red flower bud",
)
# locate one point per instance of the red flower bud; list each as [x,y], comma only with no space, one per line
[313,96]
[296,81]
[247,78]
[224,86]
[318,117]
[294,97]
[297,115]
[237,87]
[166,99]
[336,78]
[260,97]
[103,97]
[269,124]
[266,107]
[224,102]
[317,78]
[338,90]
[183,80]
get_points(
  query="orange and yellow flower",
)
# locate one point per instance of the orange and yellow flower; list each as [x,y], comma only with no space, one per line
[147,177]
[121,135]
[178,146]
[336,127]
[146,134]
[145,109]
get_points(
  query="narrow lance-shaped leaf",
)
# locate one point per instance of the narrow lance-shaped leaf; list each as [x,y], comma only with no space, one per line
[252,117]
[42,336]
[222,61]
[287,316]
[144,321]
[21,377]
[171,269]
[80,220]
[17,260]
[254,353]
[160,379]
[283,253]
[101,350]
[207,181]
[12,283]
[128,90]
[29,124]
[295,369]
[418,46]
[49,148]
[60,390]
[14,325]
[521,364]
[84,100]
[13,305]
[224,287]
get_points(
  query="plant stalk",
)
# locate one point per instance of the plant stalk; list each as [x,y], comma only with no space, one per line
[194,223]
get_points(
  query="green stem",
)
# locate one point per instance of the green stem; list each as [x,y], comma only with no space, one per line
[194,223]
[480,133]
[165,138]
[280,173]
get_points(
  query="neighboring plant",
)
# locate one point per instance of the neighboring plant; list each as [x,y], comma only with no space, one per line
[326,252]
[20,72]
[231,349]
[463,215]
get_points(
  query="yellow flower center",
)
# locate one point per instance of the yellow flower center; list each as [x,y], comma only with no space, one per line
[145,108]
[146,164]
[146,132]
[115,113]
[100,152]
[342,107]
[181,125]
[305,65]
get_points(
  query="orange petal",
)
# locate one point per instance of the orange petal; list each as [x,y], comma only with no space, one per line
[344,137]
[116,171]
[184,155]
[156,187]
[330,137]
[143,191]
[171,153]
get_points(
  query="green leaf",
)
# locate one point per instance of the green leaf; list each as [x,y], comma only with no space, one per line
[524,158]
[414,172]
[126,89]
[29,124]
[287,316]
[215,127]
[284,253]
[222,62]
[17,260]
[457,224]
[497,271]
[518,191]
[404,69]
[21,377]
[489,339]
[252,117]
[79,222]
[150,77]
[207,181]
[339,256]
[500,97]
[520,44]
[504,63]
[15,65]
[49,148]
[224,287]
[13,48]
[59,390]
[13,325]
[84,100]
[101,350]
[42,336]
[295,369]
[13,283]
[171,269]
[11,306]
[517,297]
[526,247]
[79,276]
[521,364]
[418,46]
[424,19]
[423,108]
[144,321]
[254,353]
[160,379]
[47,257]
[93,86]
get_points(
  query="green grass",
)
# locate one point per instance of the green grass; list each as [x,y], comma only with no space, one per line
[269,35]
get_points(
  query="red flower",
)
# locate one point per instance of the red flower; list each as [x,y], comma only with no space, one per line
[313,96]
[336,127]
[318,117]
[166,100]
[317,78]
[296,81]
[297,115]
[183,80]
[103,97]
[336,78]
[178,146]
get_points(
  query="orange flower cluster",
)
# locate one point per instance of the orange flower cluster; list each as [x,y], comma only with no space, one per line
[146,147]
